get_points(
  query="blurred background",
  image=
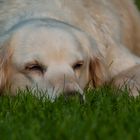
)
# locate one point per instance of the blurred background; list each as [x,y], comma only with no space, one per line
[138,3]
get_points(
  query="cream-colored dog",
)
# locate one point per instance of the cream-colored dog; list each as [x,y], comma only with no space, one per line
[62,46]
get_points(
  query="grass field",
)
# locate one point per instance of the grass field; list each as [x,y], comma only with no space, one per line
[107,114]
[104,116]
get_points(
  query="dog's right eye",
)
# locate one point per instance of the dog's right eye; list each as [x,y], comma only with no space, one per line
[35,68]
[78,65]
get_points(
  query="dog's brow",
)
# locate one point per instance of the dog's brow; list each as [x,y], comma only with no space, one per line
[32,62]
[79,61]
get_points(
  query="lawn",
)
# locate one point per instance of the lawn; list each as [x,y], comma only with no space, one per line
[107,114]
[104,116]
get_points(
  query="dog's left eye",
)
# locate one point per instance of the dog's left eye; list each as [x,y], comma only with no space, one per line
[35,67]
[78,65]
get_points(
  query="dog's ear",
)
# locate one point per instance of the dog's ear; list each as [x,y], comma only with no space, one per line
[98,72]
[3,69]
[5,59]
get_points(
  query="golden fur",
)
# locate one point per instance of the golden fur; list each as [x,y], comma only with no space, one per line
[64,45]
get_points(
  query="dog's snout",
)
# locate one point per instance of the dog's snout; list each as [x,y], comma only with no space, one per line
[62,80]
[74,92]
[70,92]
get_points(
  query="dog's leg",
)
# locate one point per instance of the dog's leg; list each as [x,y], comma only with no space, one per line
[129,78]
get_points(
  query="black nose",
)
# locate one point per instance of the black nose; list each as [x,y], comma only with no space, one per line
[71,93]
[81,97]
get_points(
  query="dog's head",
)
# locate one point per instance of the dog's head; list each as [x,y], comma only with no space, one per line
[52,57]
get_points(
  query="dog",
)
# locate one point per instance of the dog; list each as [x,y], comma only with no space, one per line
[65,46]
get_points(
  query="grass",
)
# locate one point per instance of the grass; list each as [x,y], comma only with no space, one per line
[107,114]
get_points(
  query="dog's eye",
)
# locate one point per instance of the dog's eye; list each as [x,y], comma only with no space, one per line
[78,65]
[35,67]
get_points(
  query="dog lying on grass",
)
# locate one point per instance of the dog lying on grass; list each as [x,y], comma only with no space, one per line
[66,45]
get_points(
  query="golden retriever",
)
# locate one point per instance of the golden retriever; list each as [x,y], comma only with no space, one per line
[63,46]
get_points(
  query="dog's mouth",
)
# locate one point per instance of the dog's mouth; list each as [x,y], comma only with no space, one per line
[54,93]
[80,94]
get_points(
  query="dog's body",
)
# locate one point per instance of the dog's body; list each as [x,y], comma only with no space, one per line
[108,32]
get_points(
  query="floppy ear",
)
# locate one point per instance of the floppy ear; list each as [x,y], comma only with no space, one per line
[5,57]
[98,72]
[3,76]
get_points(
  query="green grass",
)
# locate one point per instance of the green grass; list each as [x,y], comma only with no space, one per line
[107,114]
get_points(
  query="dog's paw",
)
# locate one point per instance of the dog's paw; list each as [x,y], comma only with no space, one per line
[129,79]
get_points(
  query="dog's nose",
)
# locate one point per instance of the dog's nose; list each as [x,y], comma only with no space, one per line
[71,93]
[71,89]
[75,93]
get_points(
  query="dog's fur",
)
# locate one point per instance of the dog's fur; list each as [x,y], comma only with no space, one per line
[65,45]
